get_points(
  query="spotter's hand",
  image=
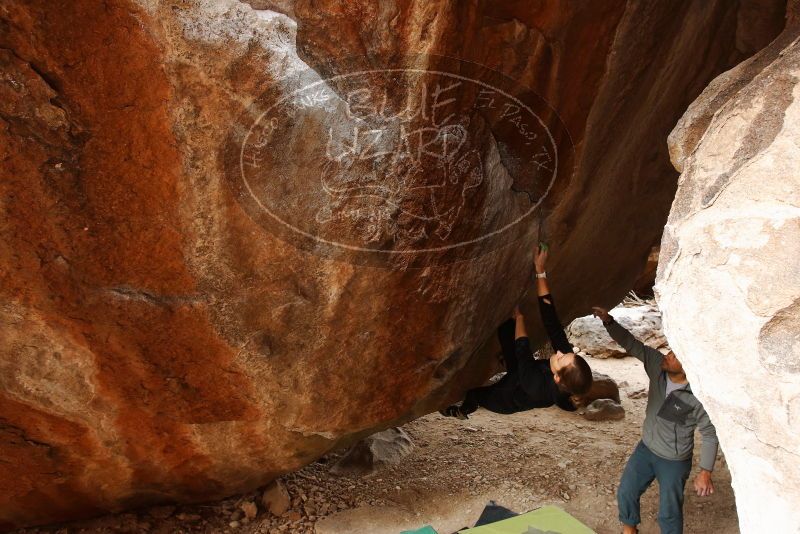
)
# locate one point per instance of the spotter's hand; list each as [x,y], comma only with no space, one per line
[702,483]
[601,313]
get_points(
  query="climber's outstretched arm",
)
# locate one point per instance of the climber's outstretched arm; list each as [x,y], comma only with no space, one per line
[519,326]
[547,307]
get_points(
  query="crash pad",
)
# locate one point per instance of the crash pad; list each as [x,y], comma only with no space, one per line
[427,529]
[544,520]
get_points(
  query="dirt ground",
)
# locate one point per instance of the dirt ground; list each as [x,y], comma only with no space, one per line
[521,461]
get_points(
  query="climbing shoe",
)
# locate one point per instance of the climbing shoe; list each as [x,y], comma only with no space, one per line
[454,411]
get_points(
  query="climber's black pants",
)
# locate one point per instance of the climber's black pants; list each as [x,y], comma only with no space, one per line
[499,397]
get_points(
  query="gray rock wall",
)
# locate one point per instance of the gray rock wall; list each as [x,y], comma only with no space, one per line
[729,275]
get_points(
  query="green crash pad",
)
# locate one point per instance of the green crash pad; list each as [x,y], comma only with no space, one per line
[545,520]
[424,530]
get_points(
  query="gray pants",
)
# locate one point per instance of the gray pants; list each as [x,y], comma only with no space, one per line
[644,466]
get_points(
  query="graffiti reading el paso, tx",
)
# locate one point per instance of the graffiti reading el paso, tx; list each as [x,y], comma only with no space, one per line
[392,162]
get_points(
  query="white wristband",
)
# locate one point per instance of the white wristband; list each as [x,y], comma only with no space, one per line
[541,275]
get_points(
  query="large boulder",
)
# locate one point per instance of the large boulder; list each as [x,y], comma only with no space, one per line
[224,255]
[603,387]
[729,275]
[589,336]
[604,410]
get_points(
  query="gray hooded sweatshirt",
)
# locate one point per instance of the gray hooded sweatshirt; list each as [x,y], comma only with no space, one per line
[670,420]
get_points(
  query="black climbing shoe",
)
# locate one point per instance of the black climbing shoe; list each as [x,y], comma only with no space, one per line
[454,411]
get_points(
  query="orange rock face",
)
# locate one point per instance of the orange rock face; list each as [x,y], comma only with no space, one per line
[160,342]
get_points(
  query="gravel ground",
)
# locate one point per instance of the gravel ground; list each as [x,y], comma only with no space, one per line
[521,461]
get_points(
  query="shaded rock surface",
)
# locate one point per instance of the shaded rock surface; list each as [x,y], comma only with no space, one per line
[643,286]
[729,275]
[164,340]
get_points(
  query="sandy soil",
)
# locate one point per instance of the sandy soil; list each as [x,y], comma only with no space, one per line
[521,461]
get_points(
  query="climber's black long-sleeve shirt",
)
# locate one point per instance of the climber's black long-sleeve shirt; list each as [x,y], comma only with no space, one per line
[552,324]
[536,378]
[537,386]
[528,383]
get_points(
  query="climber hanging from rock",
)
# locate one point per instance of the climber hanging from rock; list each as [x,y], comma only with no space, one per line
[530,383]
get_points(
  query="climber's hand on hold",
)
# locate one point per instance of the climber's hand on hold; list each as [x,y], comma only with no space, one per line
[602,314]
[702,483]
[540,258]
